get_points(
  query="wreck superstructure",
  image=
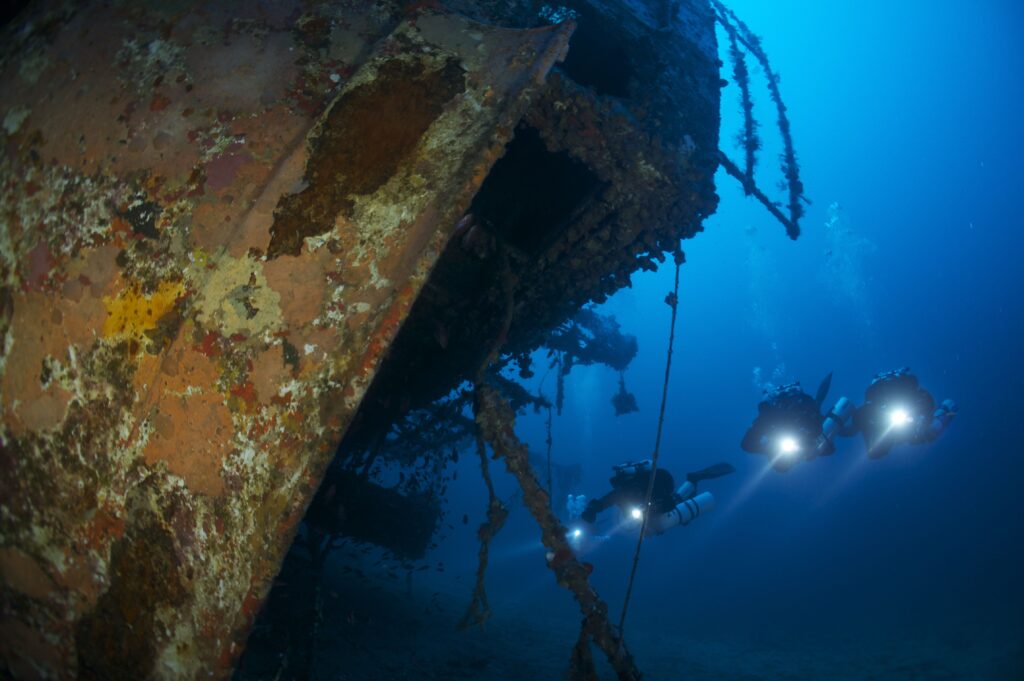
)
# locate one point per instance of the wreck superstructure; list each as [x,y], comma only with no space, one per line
[228,228]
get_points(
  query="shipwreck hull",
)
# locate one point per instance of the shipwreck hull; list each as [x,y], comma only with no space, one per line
[214,221]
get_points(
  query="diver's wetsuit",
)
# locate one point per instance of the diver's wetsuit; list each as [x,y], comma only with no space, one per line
[891,390]
[629,489]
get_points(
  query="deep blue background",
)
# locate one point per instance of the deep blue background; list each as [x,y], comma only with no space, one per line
[908,114]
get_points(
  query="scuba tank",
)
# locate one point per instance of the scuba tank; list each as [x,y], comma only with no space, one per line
[835,420]
[684,513]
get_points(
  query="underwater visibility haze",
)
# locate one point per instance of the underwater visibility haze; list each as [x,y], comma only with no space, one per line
[904,115]
[906,121]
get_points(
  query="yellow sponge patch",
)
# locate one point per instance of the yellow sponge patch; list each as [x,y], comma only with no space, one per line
[133,313]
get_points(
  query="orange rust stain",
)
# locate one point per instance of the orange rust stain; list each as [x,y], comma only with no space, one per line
[146,375]
[386,329]
[103,527]
[132,312]
[301,283]
[211,223]
[192,427]
[41,327]
[269,372]
[44,325]
[46,410]
[323,344]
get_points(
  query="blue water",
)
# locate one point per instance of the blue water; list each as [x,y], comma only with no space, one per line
[907,115]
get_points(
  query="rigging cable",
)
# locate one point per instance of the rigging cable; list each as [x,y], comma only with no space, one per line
[548,442]
[672,300]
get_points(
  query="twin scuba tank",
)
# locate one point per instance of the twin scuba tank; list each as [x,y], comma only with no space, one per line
[835,421]
[686,511]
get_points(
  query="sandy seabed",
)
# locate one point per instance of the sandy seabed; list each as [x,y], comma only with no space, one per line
[387,632]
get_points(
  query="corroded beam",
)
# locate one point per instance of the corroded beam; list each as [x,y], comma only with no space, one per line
[213,220]
[496,420]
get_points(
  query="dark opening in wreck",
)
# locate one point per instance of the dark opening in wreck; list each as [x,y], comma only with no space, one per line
[531,194]
[599,58]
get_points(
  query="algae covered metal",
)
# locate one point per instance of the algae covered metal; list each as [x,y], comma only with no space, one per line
[213,220]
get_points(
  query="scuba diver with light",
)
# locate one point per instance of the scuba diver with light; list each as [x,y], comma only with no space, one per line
[670,506]
[898,410]
[790,427]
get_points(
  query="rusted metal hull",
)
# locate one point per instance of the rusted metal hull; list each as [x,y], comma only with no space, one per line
[214,220]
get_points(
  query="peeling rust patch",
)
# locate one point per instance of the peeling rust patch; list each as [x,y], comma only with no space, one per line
[117,639]
[368,133]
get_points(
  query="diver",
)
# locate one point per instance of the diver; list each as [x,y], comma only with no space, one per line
[898,410]
[669,506]
[790,427]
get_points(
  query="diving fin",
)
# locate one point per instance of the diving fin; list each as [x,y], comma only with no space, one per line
[716,471]
[826,383]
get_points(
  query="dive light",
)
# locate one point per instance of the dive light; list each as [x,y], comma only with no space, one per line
[788,446]
[900,417]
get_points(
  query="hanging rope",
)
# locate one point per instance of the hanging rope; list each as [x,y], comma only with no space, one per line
[479,610]
[672,299]
[548,441]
